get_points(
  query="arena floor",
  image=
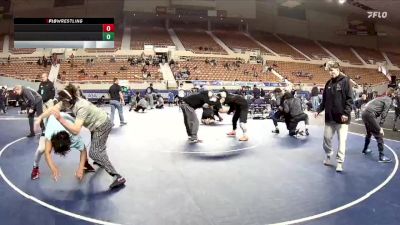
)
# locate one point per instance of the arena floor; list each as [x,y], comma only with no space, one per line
[269,179]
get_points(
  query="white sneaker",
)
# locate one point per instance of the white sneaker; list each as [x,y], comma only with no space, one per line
[339,167]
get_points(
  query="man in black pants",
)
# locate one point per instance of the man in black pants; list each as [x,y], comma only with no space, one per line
[239,105]
[295,113]
[396,104]
[3,97]
[378,107]
[358,104]
[34,105]
[46,89]
[189,105]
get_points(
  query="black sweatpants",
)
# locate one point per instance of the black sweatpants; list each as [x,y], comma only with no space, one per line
[372,128]
[294,121]
[38,109]
[240,113]
[191,120]
[396,116]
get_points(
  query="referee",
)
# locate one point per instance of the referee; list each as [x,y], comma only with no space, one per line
[46,89]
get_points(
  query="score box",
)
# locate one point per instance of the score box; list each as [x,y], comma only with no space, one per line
[108,36]
[108,28]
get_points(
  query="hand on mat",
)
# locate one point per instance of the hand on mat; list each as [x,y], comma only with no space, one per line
[344,118]
[79,174]
[56,173]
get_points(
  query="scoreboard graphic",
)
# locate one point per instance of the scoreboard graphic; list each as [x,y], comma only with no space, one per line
[64,32]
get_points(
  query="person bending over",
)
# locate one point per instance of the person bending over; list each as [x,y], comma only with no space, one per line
[293,109]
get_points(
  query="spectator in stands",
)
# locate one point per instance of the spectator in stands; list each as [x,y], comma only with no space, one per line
[34,104]
[358,104]
[9,59]
[315,98]
[149,95]
[337,102]
[262,93]
[46,89]
[378,107]
[116,102]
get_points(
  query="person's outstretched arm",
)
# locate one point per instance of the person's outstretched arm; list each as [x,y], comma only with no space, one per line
[49,160]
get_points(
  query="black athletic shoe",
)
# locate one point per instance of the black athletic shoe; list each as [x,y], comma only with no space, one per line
[384,159]
[367,151]
[276,131]
[30,135]
[118,182]
[307,133]
[395,129]
[123,123]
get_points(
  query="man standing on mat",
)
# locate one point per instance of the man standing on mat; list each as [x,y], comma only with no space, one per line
[46,89]
[117,101]
[396,104]
[240,107]
[337,102]
[189,105]
[34,105]
[91,117]
[57,137]
[378,107]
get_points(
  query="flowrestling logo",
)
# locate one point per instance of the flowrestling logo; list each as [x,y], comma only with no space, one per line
[377,14]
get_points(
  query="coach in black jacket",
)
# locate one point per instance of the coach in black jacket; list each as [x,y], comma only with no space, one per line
[34,105]
[337,102]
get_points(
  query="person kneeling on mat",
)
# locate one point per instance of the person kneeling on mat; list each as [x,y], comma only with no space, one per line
[58,138]
[240,107]
[160,102]
[142,104]
[377,107]
[92,117]
[294,114]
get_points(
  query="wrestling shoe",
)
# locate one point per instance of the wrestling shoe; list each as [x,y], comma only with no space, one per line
[244,138]
[395,129]
[276,131]
[30,135]
[193,141]
[231,134]
[123,123]
[384,159]
[339,167]
[118,182]
[366,151]
[35,173]
[307,133]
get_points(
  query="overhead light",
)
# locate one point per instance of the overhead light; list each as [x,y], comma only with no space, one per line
[342,1]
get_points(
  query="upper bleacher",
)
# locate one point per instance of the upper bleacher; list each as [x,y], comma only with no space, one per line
[342,52]
[157,36]
[199,42]
[308,47]
[368,54]
[236,40]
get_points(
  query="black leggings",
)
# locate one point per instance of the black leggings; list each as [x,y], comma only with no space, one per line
[373,128]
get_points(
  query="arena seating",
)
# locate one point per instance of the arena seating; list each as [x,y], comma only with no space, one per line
[365,76]
[342,52]
[206,71]
[289,70]
[96,71]
[277,45]
[1,42]
[156,36]
[369,54]
[24,70]
[199,42]
[189,25]
[394,58]
[237,40]
[308,47]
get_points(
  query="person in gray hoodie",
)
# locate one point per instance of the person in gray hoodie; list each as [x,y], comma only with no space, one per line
[378,107]
[34,105]
[294,114]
